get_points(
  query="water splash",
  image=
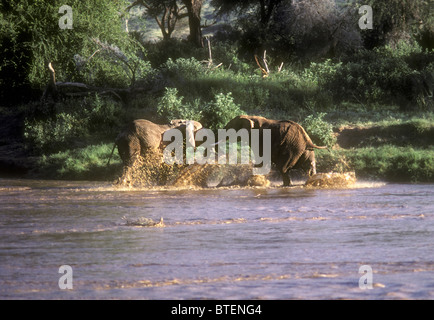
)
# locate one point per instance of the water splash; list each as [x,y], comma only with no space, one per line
[332,180]
[150,171]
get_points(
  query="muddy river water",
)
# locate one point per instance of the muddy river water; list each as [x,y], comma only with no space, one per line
[90,240]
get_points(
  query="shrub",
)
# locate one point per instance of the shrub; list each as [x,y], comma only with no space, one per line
[171,106]
[52,134]
[182,68]
[384,76]
[71,123]
[159,53]
[220,111]
[321,73]
[320,131]
[213,115]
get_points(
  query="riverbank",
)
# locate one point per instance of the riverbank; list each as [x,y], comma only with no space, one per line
[395,148]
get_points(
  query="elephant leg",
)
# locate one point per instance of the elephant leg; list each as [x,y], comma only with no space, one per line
[312,170]
[311,161]
[286,179]
[125,178]
[290,161]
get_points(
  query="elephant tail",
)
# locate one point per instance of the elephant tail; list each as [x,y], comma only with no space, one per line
[111,154]
[311,145]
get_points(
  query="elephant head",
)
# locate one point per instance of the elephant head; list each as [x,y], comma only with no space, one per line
[291,147]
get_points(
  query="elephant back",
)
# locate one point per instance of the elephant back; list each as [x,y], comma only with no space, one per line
[148,133]
[296,134]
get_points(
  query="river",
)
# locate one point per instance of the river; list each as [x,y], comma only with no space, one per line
[216,243]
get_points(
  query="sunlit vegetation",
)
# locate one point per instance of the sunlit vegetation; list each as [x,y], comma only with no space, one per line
[357,78]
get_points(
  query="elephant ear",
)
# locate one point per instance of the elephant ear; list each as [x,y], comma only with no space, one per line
[177,122]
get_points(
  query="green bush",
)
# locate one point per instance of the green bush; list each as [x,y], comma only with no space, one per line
[395,164]
[171,106]
[220,111]
[96,50]
[160,52]
[182,68]
[72,123]
[214,114]
[384,75]
[320,131]
[52,134]
[321,73]
[386,163]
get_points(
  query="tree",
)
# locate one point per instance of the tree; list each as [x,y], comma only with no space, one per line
[287,29]
[165,12]
[396,20]
[264,9]
[31,38]
[316,28]
[168,12]
[194,8]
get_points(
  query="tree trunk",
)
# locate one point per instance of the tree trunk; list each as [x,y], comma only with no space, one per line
[266,8]
[194,8]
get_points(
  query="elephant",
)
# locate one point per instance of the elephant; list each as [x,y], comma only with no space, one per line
[142,136]
[291,146]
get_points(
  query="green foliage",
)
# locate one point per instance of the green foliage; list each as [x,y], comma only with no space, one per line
[321,73]
[214,114]
[182,68]
[158,53]
[220,111]
[394,163]
[319,130]
[387,163]
[96,50]
[75,121]
[171,106]
[396,20]
[80,164]
[384,76]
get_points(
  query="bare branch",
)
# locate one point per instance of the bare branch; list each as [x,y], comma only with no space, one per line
[206,25]
[209,52]
[264,71]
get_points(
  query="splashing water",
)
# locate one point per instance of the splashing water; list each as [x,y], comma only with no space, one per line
[151,171]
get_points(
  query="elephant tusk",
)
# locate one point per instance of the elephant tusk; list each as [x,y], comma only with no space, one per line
[217,143]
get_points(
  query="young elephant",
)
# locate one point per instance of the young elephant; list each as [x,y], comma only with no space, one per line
[291,147]
[142,136]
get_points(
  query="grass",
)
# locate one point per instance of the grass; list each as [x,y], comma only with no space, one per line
[387,163]
[89,163]
[359,115]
